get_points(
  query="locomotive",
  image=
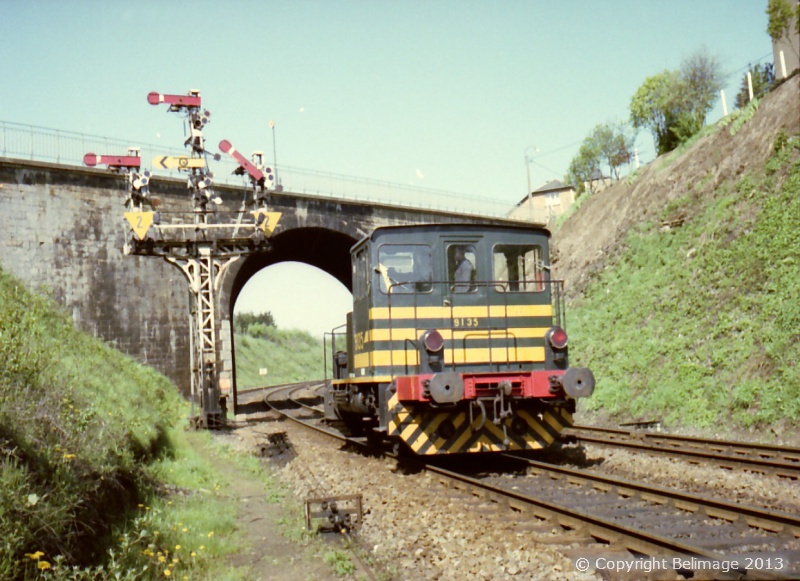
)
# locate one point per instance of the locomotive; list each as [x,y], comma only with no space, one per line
[456,341]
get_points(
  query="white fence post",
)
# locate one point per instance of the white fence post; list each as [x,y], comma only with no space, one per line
[783,65]
[724,103]
[750,85]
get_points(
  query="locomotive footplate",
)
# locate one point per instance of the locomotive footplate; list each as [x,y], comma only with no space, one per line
[334,513]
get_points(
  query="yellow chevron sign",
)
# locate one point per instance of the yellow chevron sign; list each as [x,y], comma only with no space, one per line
[140,222]
[267,221]
[178,162]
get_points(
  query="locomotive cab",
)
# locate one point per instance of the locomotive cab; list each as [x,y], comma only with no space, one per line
[456,342]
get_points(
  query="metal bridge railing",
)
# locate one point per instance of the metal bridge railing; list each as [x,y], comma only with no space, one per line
[30,142]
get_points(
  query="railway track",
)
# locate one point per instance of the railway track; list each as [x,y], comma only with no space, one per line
[672,532]
[780,461]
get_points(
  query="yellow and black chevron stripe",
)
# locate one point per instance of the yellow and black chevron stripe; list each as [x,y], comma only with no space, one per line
[419,429]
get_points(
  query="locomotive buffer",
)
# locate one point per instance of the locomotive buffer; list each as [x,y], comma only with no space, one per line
[203,248]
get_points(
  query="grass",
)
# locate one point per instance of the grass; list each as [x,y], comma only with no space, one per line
[699,324]
[98,479]
[288,356]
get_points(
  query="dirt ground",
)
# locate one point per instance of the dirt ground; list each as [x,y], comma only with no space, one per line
[597,230]
[269,553]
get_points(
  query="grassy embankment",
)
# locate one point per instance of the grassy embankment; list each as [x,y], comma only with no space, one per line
[700,324]
[98,478]
[288,356]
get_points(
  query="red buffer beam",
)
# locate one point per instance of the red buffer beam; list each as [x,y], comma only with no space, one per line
[129,161]
[190,100]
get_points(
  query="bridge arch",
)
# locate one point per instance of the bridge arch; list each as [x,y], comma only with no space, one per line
[325,249]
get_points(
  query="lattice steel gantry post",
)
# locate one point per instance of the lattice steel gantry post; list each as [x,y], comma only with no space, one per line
[202,248]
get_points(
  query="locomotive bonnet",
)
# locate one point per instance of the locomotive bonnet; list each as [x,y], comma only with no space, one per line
[456,342]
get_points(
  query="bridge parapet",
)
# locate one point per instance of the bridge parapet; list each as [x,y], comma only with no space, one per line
[33,143]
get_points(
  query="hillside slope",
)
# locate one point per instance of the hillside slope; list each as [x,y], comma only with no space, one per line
[593,233]
[288,355]
[685,283]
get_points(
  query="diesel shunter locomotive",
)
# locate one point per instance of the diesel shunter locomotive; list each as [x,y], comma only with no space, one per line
[456,341]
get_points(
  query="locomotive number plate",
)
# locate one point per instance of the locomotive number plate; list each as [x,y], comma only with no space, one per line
[466,322]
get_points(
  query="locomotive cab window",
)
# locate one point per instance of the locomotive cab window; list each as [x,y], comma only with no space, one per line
[518,268]
[360,280]
[462,265]
[405,268]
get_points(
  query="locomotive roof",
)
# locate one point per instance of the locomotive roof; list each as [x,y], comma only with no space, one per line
[454,227]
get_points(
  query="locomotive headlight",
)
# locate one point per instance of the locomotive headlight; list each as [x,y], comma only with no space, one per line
[433,341]
[557,337]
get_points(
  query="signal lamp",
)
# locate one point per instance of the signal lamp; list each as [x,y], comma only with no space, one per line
[433,341]
[557,337]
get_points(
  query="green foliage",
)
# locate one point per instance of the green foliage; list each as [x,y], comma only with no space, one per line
[340,563]
[288,356]
[674,104]
[762,77]
[242,321]
[609,144]
[742,116]
[780,13]
[698,325]
[584,167]
[78,421]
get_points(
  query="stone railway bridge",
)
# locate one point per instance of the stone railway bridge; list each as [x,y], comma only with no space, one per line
[62,231]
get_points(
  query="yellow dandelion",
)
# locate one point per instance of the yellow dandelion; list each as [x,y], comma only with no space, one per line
[185,530]
[177,547]
[161,559]
[43,565]
[193,554]
[35,556]
[167,572]
[202,547]
[141,505]
[176,560]
[210,534]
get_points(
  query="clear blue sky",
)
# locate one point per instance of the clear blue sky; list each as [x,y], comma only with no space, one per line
[446,94]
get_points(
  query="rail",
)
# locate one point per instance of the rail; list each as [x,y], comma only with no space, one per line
[644,520]
[34,143]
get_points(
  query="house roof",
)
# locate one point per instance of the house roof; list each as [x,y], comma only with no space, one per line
[551,186]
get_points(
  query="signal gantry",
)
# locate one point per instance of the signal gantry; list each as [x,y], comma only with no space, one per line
[202,248]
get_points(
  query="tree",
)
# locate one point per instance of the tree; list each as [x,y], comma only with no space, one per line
[584,167]
[674,104]
[242,321]
[609,144]
[780,15]
[615,143]
[762,77]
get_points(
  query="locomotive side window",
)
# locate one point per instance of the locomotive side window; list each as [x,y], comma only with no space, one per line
[360,280]
[518,268]
[461,267]
[405,268]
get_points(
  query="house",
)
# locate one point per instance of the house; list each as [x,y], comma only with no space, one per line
[545,204]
